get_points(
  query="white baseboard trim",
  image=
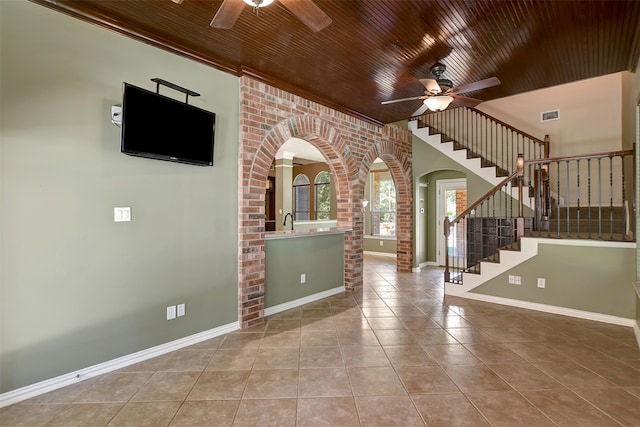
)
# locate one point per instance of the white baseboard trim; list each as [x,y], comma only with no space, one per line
[553,309]
[302,301]
[423,265]
[393,255]
[33,390]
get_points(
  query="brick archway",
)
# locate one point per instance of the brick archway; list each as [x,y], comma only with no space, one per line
[268,118]
[252,257]
[399,163]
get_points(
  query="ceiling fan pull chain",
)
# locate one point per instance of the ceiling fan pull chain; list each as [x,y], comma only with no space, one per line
[256,7]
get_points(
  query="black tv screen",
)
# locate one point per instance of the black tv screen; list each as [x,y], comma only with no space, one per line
[159,127]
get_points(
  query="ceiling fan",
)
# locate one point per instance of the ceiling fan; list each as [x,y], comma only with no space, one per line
[305,10]
[440,92]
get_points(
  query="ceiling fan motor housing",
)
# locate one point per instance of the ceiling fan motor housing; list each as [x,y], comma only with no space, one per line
[437,70]
[445,84]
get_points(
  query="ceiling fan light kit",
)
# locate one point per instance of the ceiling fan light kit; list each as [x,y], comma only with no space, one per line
[258,3]
[438,103]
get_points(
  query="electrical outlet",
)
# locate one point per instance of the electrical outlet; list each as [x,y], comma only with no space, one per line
[517,280]
[181,310]
[381,243]
[542,283]
[171,312]
[303,278]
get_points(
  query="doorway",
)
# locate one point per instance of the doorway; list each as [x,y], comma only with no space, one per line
[451,200]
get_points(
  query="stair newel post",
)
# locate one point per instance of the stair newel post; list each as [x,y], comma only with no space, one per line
[447,231]
[520,175]
[545,179]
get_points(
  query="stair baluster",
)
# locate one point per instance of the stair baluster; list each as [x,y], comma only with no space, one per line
[496,143]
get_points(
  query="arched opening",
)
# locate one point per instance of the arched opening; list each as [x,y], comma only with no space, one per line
[252,238]
[386,157]
[380,211]
[348,144]
[300,183]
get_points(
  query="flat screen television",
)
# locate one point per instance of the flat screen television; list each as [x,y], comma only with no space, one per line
[159,127]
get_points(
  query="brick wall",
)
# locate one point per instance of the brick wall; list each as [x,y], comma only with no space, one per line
[461,201]
[268,118]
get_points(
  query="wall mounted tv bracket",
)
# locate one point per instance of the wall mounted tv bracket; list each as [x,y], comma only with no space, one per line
[116,115]
[187,92]
[116,110]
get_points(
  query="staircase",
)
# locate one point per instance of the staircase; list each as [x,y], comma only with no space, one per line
[534,196]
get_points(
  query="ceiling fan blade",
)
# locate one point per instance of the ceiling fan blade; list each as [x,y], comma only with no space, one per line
[431,85]
[228,14]
[307,11]
[413,98]
[466,101]
[472,87]
[420,110]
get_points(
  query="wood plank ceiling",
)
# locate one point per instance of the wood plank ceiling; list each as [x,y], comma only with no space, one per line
[375,50]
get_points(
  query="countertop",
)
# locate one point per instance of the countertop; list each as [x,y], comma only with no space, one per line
[286,234]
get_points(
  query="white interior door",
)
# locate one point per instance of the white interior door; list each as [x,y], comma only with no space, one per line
[451,200]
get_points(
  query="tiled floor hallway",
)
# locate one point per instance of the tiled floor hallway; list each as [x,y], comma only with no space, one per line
[395,354]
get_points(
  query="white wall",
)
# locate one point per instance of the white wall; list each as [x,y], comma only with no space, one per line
[590,114]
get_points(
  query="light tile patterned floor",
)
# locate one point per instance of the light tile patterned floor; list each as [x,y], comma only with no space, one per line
[397,353]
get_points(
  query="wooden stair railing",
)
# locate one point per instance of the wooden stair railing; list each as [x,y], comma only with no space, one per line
[485,136]
[486,225]
[584,196]
[574,197]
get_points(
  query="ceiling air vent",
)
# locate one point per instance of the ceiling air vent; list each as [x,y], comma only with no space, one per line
[550,115]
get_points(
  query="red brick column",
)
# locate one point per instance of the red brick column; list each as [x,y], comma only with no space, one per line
[268,118]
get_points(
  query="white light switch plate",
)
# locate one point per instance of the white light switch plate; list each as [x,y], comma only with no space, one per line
[171,312]
[181,310]
[121,214]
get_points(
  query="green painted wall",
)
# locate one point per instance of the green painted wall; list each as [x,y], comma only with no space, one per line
[77,288]
[595,279]
[319,257]
[372,244]
[428,165]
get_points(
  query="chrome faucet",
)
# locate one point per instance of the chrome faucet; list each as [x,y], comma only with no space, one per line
[285,220]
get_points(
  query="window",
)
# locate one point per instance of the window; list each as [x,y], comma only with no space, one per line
[383,204]
[322,189]
[301,198]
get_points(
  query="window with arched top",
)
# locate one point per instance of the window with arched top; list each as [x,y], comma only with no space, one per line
[322,190]
[301,199]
